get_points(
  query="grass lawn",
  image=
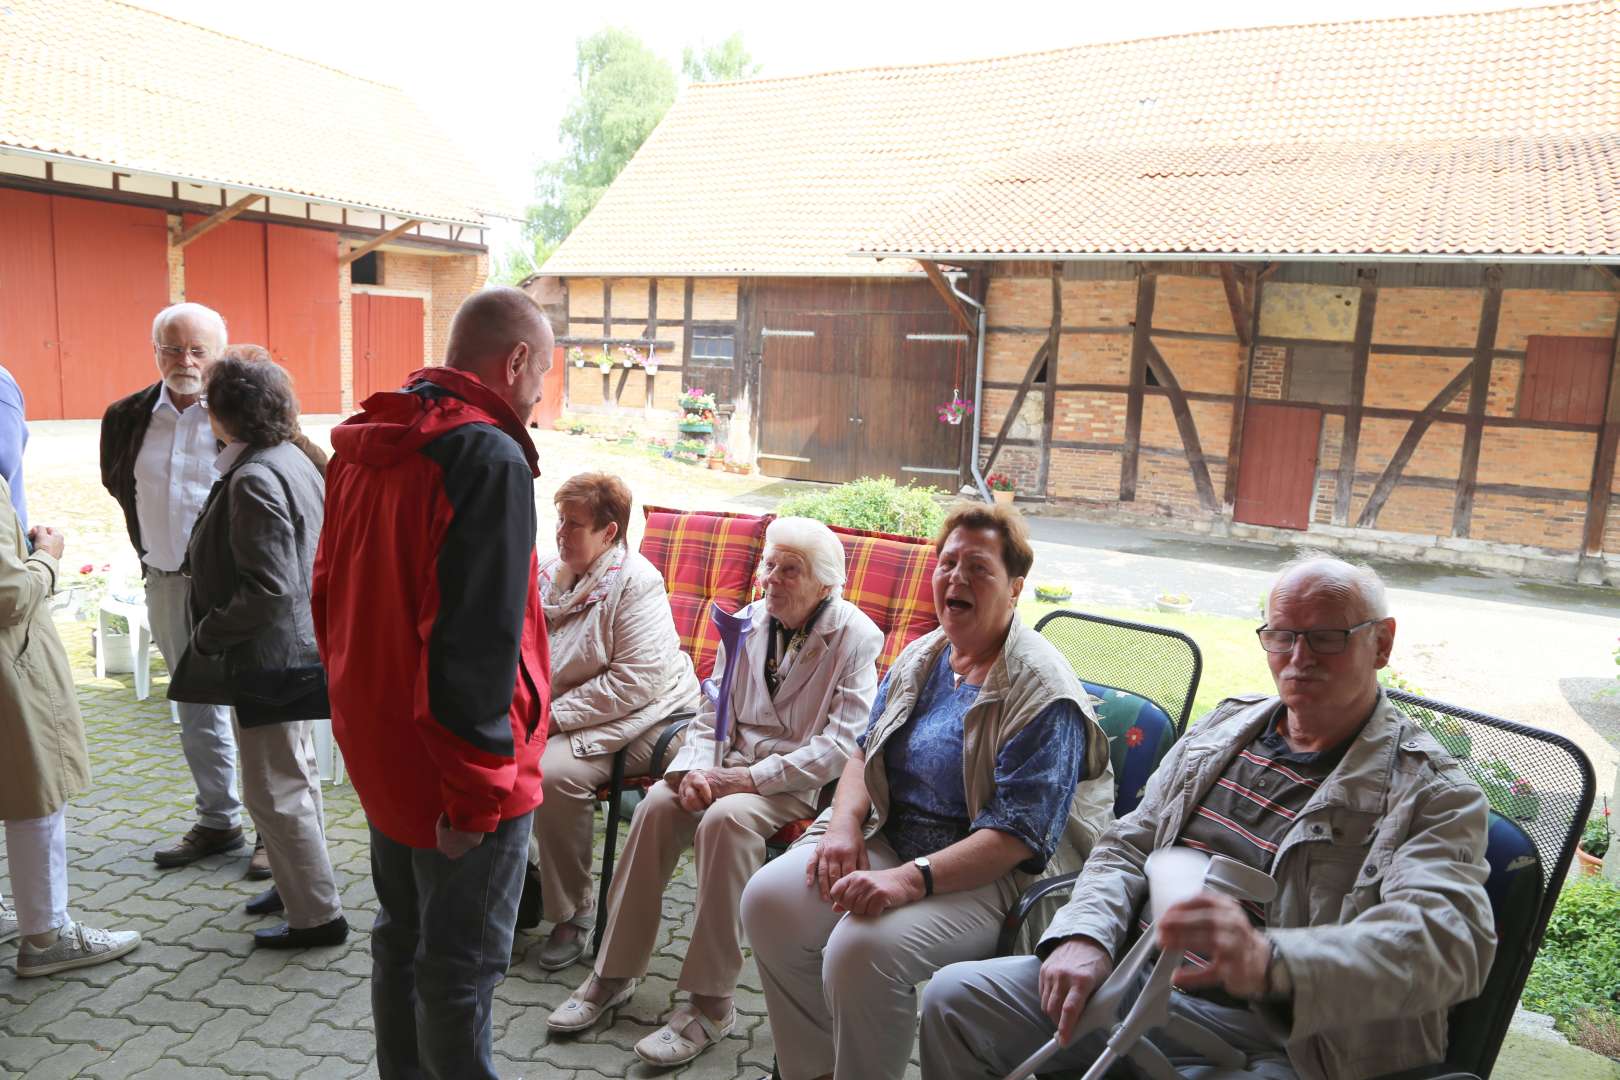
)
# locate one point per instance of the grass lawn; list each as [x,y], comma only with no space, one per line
[1233,660]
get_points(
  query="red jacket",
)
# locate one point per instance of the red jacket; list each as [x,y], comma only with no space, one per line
[426,610]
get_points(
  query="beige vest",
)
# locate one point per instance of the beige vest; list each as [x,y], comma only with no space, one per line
[1029,676]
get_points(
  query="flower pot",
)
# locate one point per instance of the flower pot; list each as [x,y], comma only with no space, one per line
[953,420]
[695,427]
[740,468]
[1180,606]
[717,464]
[1591,865]
[1003,498]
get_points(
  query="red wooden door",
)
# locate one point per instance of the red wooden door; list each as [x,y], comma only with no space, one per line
[549,407]
[112,277]
[225,270]
[1277,477]
[28,346]
[301,283]
[387,342]
[1565,379]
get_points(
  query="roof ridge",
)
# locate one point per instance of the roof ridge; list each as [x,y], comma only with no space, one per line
[257,45]
[1003,57]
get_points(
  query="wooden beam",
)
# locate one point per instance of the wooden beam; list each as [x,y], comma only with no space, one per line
[1142,326]
[1235,303]
[1054,349]
[1490,310]
[943,287]
[378,241]
[1597,498]
[1017,403]
[1240,393]
[1409,442]
[1189,430]
[1609,272]
[1350,445]
[214,221]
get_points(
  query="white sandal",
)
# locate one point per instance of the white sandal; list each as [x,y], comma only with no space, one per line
[669,1046]
[577,1014]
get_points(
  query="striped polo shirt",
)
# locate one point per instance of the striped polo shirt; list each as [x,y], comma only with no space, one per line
[1251,807]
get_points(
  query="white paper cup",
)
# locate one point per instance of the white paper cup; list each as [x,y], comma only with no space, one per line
[1174,874]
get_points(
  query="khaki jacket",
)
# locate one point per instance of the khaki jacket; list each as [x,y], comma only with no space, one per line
[43,761]
[1029,676]
[799,740]
[1381,915]
[616,663]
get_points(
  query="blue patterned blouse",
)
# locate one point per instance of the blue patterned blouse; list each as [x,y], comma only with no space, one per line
[1036,772]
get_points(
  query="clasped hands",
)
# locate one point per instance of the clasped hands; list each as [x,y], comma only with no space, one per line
[698,788]
[839,869]
[1210,924]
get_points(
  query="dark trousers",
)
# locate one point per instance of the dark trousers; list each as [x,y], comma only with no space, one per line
[441,943]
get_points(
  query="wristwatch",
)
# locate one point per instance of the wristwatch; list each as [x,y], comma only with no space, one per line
[927,875]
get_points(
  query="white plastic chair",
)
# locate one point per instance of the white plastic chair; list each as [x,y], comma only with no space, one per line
[140,633]
[328,758]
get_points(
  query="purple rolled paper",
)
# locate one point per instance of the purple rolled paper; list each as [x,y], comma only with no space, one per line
[734,629]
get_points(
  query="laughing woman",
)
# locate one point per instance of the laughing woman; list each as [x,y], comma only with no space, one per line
[982,769]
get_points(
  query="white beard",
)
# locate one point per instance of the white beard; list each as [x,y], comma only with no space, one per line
[181,382]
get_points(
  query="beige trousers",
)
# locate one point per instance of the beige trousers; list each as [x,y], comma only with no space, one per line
[841,990]
[563,821]
[729,841]
[281,787]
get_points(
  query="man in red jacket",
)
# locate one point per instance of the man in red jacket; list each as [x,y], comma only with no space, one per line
[430,627]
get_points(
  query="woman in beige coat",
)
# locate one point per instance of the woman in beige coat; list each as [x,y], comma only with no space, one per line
[617,671]
[801,693]
[43,762]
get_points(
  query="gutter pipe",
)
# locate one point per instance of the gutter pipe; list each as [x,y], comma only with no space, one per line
[978,388]
[1238,256]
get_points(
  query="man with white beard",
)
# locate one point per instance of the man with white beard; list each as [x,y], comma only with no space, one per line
[157,460]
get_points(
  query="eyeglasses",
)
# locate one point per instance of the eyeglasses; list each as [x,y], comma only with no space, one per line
[175,352]
[1323,642]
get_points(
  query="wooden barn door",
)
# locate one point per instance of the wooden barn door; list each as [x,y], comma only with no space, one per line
[1277,477]
[387,342]
[112,277]
[301,277]
[225,269]
[809,425]
[908,366]
[28,341]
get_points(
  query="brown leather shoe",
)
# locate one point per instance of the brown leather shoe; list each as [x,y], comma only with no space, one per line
[259,866]
[200,840]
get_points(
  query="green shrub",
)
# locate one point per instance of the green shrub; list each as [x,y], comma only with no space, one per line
[876,503]
[1578,967]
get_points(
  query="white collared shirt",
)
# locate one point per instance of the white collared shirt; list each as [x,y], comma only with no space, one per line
[174,472]
[228,456]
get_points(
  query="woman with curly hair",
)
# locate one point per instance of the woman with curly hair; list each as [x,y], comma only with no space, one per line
[250,559]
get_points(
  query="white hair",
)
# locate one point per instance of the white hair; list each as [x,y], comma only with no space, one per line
[202,312]
[1359,579]
[813,542]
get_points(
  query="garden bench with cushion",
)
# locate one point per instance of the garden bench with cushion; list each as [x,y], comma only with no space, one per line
[709,557]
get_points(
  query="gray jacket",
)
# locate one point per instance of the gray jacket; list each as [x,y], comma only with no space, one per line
[250,562]
[1381,915]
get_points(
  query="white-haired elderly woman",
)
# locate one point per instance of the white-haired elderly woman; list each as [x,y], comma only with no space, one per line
[802,694]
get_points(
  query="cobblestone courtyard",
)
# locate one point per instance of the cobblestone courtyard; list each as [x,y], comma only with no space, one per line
[195,1000]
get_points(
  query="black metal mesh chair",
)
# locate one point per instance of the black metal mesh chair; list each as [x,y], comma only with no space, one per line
[1159,664]
[1540,787]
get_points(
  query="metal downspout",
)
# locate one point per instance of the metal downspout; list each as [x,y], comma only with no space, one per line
[978,390]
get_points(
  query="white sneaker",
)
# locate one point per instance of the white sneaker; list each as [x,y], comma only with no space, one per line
[8,922]
[77,946]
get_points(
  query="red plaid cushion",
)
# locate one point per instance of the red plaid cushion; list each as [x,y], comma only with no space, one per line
[704,557]
[891,579]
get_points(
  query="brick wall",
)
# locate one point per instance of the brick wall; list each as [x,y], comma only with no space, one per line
[1267,372]
[454,278]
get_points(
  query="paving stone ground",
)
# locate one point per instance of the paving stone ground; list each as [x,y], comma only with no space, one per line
[195,1000]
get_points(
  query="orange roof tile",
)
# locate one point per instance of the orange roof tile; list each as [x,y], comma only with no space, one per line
[1461,133]
[119,85]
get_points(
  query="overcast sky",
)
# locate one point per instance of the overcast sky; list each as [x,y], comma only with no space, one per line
[497,75]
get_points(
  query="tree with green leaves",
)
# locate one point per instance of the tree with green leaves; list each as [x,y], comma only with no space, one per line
[624,90]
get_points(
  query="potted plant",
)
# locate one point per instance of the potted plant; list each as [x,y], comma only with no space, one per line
[628,355]
[1053,594]
[1001,488]
[694,423]
[690,450]
[1178,602]
[955,410]
[694,400]
[604,363]
[1595,843]
[717,457]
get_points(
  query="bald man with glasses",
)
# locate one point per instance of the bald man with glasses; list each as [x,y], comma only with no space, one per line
[157,460]
[1373,833]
